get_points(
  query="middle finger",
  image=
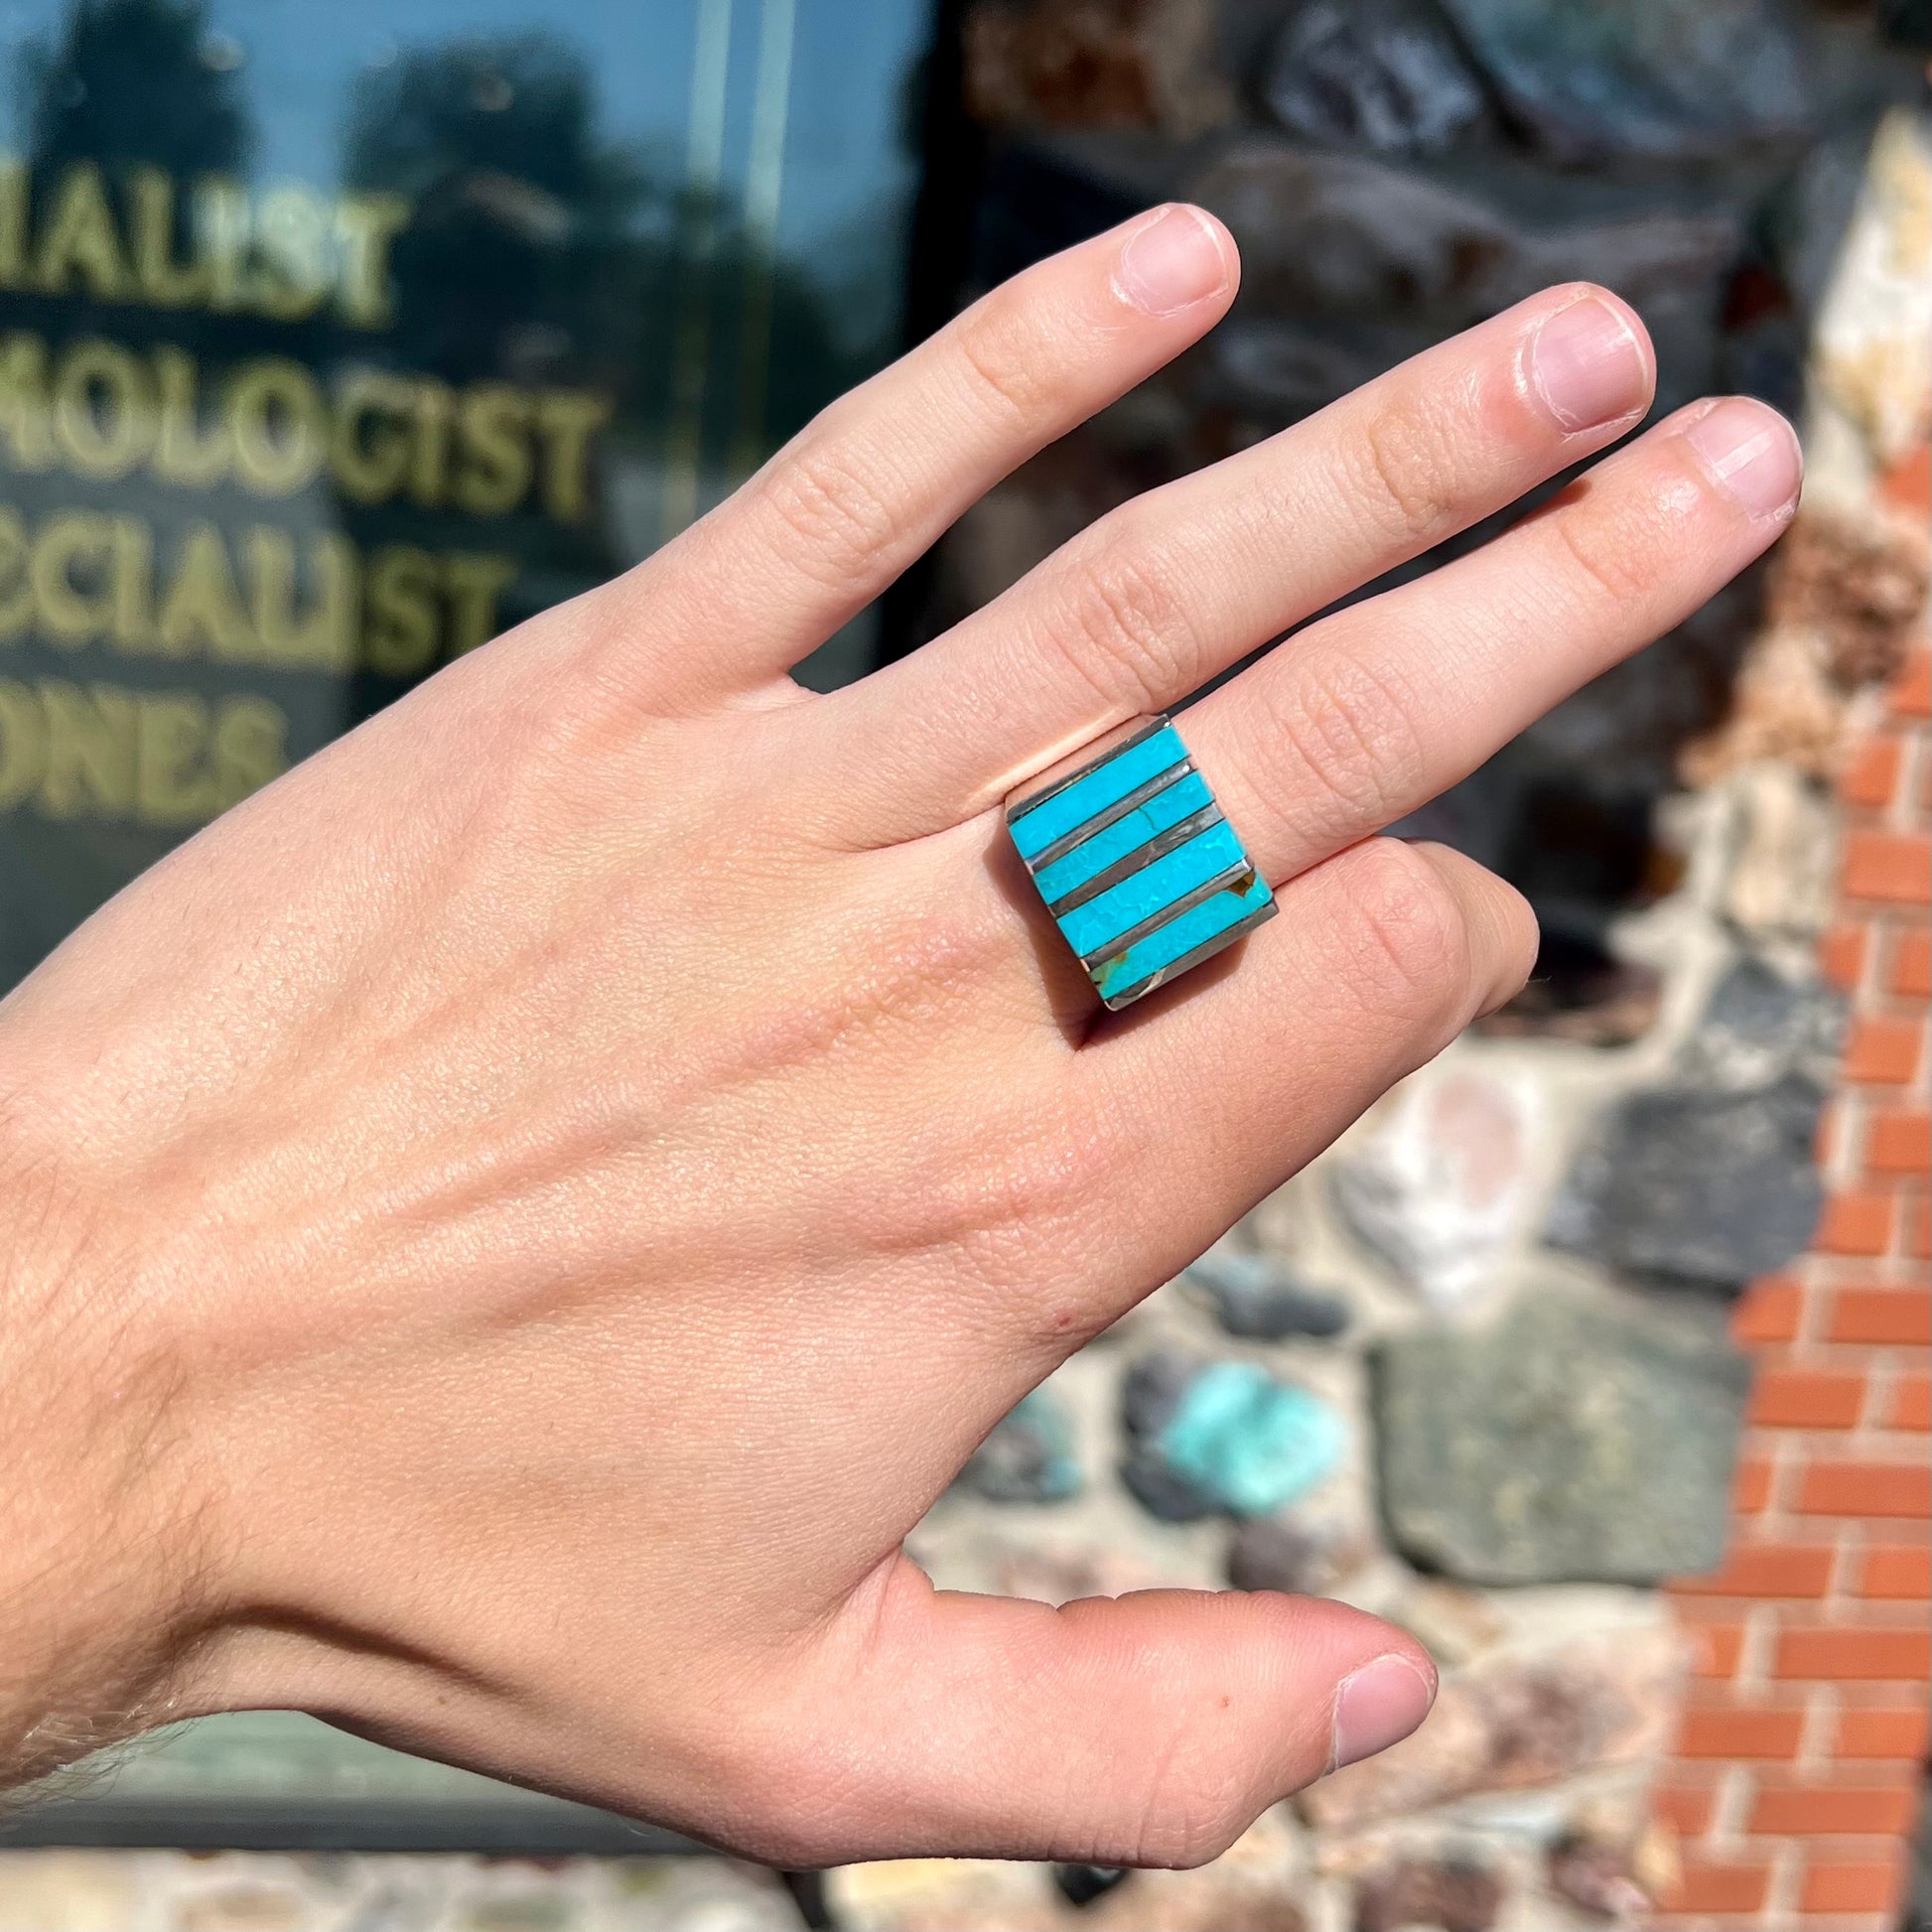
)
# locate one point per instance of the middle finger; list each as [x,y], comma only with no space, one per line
[1166,592]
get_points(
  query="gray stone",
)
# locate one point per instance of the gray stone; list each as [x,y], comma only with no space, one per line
[1259,1300]
[1759,1027]
[1029,1456]
[1150,1391]
[1662,79]
[1269,1553]
[1580,1438]
[1384,75]
[1164,1493]
[1699,1186]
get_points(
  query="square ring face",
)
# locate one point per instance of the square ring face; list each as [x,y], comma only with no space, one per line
[1141,871]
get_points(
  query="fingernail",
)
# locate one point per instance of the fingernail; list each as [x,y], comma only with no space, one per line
[1587,365]
[1172,263]
[1381,1704]
[1751,453]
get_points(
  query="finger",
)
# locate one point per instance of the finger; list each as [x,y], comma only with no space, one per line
[1167,591]
[1379,959]
[1374,711]
[1175,1719]
[859,494]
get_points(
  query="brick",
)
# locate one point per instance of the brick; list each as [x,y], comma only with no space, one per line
[1865,1489]
[1835,1811]
[1900,1731]
[1909,1406]
[1899,1318]
[1911,964]
[1720,1885]
[1907,484]
[1716,1649]
[1839,1886]
[1856,1224]
[1883,1053]
[1895,868]
[1741,1733]
[1750,1486]
[1842,955]
[1686,1808]
[1762,1570]
[1767,1311]
[1917,1231]
[1807,1398]
[1911,691]
[1872,773]
[1896,1570]
[1828,1654]
[1899,1142]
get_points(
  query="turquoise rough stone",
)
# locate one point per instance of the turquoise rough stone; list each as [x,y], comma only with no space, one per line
[1249,1442]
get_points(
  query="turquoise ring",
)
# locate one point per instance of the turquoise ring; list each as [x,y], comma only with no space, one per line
[1140,871]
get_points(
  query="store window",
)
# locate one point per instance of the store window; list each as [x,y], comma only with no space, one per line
[334,340]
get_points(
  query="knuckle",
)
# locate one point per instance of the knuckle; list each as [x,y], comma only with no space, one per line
[1614,564]
[1407,948]
[1127,621]
[837,515]
[1350,731]
[1409,472]
[999,350]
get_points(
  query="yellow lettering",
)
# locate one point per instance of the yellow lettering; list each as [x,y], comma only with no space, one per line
[324,640]
[429,470]
[494,467]
[280,427]
[250,748]
[23,744]
[292,237]
[13,223]
[172,782]
[221,241]
[165,283]
[79,236]
[26,421]
[17,603]
[475,582]
[371,468]
[69,615]
[367,225]
[89,751]
[566,421]
[202,605]
[182,454]
[399,640]
[103,409]
[131,576]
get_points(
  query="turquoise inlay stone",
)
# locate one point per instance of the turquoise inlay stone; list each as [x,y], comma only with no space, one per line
[1252,1443]
[1142,895]
[1194,927]
[1060,814]
[1181,800]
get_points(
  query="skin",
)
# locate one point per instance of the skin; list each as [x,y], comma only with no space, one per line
[503,1235]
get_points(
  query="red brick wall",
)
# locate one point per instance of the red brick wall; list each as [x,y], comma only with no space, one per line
[1795,1785]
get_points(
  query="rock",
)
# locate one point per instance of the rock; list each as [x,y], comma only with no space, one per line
[1028,1457]
[1301,1559]
[1860,585]
[1383,74]
[1259,1300]
[1760,1026]
[1515,1723]
[1094,64]
[1597,1876]
[1231,1437]
[1150,1391]
[1441,1186]
[1580,1438]
[1699,1186]
[1081,1884]
[1456,1625]
[1453,1893]
[1579,992]
[1660,80]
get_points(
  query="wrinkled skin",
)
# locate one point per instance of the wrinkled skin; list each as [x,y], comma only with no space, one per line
[505,1233]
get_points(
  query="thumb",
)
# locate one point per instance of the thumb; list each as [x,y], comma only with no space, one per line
[1146,1730]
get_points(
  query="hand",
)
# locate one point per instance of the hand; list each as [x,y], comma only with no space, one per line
[506,1232]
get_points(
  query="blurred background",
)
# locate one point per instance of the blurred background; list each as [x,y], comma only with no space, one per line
[335,341]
